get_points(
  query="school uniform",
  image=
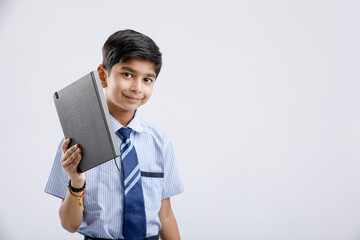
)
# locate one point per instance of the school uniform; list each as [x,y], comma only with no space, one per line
[104,197]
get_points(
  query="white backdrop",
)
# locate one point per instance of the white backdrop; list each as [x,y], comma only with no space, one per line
[260,98]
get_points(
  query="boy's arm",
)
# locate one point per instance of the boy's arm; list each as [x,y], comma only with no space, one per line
[70,212]
[169,230]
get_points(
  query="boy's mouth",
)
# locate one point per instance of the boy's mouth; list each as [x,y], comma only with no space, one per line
[133,98]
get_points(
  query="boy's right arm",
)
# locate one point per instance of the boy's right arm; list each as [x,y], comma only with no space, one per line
[70,212]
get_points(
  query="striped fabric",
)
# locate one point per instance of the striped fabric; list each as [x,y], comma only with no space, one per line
[134,226]
[103,200]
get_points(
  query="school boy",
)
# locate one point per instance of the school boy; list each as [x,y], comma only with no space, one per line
[115,201]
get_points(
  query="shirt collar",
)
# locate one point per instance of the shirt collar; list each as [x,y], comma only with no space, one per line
[134,124]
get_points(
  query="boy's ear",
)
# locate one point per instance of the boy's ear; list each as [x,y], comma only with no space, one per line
[102,74]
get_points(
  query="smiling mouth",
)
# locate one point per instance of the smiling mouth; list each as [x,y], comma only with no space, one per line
[132,98]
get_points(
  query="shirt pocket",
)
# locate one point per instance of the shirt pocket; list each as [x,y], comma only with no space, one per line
[152,188]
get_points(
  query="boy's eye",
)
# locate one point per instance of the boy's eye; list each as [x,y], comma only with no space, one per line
[148,80]
[127,75]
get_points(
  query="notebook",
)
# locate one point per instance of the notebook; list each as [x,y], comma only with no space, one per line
[85,118]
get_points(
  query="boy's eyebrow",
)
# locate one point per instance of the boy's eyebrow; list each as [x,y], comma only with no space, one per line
[134,71]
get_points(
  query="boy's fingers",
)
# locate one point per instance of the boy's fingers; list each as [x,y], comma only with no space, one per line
[73,164]
[71,159]
[65,145]
[70,151]
[77,160]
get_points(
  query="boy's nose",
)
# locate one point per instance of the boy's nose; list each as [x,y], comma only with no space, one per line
[136,86]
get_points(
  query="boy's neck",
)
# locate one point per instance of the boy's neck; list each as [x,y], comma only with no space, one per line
[123,118]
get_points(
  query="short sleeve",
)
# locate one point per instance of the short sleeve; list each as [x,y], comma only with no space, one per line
[58,179]
[172,184]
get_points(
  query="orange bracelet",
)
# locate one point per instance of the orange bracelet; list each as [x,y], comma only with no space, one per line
[79,198]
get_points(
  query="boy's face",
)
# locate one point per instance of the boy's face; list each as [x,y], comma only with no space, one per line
[129,85]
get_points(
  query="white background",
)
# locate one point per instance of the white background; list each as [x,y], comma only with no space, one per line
[260,98]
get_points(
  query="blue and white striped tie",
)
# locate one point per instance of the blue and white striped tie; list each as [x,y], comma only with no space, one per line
[134,225]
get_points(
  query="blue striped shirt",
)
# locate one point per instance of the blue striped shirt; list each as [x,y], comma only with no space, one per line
[103,201]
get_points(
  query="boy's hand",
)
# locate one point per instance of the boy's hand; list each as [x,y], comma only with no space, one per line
[70,161]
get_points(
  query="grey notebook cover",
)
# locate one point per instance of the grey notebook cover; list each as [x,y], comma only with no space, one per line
[85,118]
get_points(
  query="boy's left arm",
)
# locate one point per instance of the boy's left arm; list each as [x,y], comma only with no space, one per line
[169,230]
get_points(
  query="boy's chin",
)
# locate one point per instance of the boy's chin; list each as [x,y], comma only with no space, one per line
[130,108]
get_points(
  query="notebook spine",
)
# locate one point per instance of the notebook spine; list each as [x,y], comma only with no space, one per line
[101,103]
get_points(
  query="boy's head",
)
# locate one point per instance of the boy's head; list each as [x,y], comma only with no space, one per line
[126,45]
[131,64]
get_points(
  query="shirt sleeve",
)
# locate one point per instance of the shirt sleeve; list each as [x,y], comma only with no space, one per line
[58,179]
[172,184]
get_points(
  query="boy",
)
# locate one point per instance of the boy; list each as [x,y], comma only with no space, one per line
[113,200]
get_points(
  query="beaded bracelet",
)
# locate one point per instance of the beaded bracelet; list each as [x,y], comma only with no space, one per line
[76,190]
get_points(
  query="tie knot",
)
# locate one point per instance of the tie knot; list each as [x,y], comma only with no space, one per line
[125,132]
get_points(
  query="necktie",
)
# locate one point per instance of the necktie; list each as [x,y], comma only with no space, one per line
[134,225]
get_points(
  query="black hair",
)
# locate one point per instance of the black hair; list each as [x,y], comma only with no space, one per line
[125,45]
